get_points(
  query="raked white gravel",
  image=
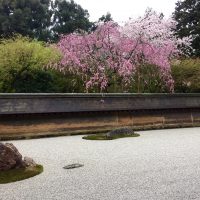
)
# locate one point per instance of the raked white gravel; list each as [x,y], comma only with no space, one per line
[158,165]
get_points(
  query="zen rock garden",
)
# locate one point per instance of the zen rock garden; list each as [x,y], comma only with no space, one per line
[13,167]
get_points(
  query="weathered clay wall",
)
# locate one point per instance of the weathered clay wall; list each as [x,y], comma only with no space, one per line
[28,115]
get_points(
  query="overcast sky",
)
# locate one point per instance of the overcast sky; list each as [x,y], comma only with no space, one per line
[121,10]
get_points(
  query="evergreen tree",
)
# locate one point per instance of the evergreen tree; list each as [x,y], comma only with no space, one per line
[42,19]
[69,17]
[187,14]
[106,18]
[26,17]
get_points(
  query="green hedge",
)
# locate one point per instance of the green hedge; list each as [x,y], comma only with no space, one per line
[20,56]
[186,74]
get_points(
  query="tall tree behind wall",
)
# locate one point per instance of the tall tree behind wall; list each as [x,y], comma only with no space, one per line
[69,17]
[27,17]
[187,14]
[42,19]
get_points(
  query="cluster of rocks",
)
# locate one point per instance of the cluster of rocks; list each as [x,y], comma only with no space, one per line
[120,132]
[10,158]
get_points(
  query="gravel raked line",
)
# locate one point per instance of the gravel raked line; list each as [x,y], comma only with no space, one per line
[158,165]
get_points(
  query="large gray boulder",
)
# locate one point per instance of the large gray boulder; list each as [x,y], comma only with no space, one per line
[120,132]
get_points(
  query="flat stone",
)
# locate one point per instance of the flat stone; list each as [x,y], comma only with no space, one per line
[72,166]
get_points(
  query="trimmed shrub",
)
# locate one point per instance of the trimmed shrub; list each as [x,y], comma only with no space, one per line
[20,56]
[186,74]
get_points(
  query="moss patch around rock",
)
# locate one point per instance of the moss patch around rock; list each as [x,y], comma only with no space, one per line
[105,137]
[14,175]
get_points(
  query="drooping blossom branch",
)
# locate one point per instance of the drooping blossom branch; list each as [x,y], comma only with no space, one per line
[121,50]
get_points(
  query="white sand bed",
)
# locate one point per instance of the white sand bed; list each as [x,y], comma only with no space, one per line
[158,165]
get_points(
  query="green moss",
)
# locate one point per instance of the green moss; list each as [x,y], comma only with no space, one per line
[104,137]
[14,175]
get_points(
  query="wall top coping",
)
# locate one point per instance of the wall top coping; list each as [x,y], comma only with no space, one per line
[91,95]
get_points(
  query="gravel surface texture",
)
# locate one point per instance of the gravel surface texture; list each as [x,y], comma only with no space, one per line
[160,164]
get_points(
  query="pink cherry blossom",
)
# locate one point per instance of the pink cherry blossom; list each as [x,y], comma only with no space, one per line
[114,50]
